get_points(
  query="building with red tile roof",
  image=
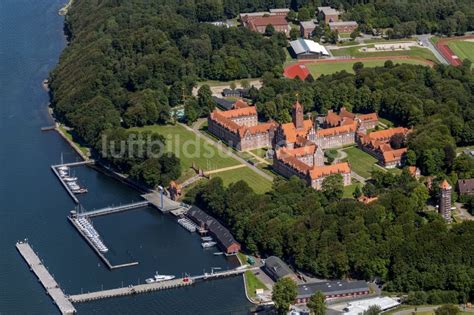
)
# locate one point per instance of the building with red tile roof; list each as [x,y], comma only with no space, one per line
[260,23]
[307,163]
[240,128]
[377,143]
[365,121]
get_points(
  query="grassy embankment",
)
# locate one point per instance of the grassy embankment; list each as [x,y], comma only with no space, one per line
[189,148]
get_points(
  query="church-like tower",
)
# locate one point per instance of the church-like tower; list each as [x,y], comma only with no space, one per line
[298,117]
[445,200]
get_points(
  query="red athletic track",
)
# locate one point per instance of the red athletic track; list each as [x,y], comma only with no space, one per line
[444,49]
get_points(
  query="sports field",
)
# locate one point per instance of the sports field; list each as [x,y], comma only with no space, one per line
[319,68]
[464,49]
[417,52]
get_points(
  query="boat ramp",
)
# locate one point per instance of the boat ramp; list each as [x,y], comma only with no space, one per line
[48,282]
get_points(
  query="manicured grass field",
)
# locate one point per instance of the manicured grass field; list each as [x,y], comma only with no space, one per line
[258,183]
[349,190]
[253,283]
[261,152]
[463,49]
[362,163]
[413,52]
[189,148]
[318,69]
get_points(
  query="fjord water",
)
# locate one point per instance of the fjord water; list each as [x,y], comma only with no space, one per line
[33,205]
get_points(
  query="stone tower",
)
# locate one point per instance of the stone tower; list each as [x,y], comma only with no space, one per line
[298,115]
[445,200]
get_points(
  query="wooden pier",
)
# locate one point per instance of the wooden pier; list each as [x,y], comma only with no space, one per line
[150,287]
[110,210]
[131,290]
[48,282]
[97,251]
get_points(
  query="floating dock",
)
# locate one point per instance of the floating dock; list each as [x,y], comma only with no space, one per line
[54,168]
[48,282]
[97,251]
[168,205]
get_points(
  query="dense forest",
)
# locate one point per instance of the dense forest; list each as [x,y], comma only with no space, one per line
[130,61]
[392,239]
[436,103]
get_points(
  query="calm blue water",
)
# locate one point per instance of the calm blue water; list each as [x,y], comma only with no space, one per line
[33,205]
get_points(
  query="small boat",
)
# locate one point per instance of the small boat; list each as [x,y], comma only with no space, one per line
[70,179]
[63,168]
[158,278]
[218,253]
[150,280]
[206,238]
[208,244]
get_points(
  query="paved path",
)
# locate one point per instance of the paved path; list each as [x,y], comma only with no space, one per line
[358,177]
[341,155]
[258,157]
[425,40]
[228,151]
[225,169]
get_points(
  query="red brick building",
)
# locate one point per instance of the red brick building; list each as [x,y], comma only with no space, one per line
[343,26]
[240,128]
[307,28]
[329,14]
[377,143]
[260,23]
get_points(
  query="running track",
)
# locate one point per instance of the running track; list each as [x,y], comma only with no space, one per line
[442,46]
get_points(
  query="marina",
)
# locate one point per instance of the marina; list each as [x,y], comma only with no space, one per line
[62,172]
[48,282]
[94,244]
[111,210]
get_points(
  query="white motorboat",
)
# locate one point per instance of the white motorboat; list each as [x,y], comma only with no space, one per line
[208,244]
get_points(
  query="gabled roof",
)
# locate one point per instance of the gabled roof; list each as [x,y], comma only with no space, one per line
[291,133]
[260,128]
[239,112]
[275,20]
[387,134]
[337,130]
[224,237]
[394,155]
[466,186]
[306,46]
[277,267]
[326,170]
[223,103]
[368,117]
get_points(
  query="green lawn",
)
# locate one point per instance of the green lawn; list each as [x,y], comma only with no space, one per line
[413,52]
[349,190]
[261,152]
[362,163]
[318,69]
[253,283]
[463,49]
[386,122]
[258,183]
[189,148]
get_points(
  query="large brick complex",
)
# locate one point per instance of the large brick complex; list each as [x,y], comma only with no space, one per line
[308,164]
[377,143]
[240,128]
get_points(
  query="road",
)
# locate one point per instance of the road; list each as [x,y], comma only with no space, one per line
[425,40]
[198,133]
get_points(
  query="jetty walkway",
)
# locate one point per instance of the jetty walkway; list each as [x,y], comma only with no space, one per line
[150,287]
[110,210]
[48,282]
[131,290]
